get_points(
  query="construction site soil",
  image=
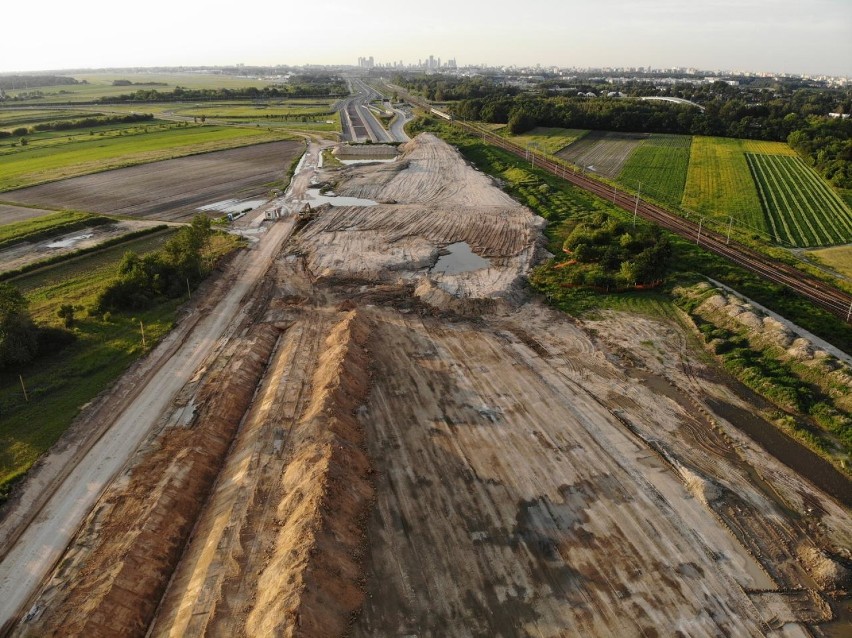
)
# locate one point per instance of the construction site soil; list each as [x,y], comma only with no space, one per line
[383,450]
[170,190]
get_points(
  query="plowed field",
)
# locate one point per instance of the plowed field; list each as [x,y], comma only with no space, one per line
[170,190]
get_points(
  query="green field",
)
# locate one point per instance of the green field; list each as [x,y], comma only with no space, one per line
[660,163]
[253,110]
[800,208]
[11,118]
[838,258]
[84,154]
[719,183]
[100,85]
[60,383]
[548,140]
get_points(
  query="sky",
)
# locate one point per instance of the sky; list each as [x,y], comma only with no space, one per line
[780,36]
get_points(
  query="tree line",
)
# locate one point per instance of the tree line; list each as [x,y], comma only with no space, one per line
[86,122]
[11,82]
[330,89]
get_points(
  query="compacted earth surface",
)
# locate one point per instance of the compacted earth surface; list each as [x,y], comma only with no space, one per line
[396,440]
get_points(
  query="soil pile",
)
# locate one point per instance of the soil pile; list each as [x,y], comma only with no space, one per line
[143,521]
[310,584]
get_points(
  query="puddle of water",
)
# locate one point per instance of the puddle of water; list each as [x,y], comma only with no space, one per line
[314,198]
[69,241]
[232,205]
[790,452]
[372,160]
[459,258]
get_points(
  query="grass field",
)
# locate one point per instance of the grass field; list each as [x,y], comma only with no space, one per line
[548,140]
[86,154]
[801,209]
[838,258]
[11,118]
[244,110]
[660,164]
[100,85]
[60,383]
[719,183]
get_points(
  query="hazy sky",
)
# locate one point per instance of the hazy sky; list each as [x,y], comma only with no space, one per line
[798,36]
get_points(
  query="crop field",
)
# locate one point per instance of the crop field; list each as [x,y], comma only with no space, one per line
[719,183]
[767,148]
[170,190]
[89,154]
[58,385]
[800,207]
[549,140]
[603,152]
[660,163]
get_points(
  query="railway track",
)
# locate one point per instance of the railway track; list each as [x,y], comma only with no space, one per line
[817,292]
[820,293]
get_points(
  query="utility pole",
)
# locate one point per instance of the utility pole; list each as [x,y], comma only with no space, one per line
[698,239]
[636,206]
[614,190]
[188,290]
[142,328]
[849,314]
[730,223]
[24,388]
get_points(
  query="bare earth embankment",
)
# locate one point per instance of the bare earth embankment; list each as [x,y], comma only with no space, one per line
[170,190]
[382,449]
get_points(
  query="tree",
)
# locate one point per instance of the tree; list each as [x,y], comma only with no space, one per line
[66,313]
[18,334]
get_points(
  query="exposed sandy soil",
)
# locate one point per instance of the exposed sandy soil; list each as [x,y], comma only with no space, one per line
[29,252]
[10,214]
[603,152]
[380,451]
[170,190]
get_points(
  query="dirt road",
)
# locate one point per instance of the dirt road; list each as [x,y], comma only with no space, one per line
[44,540]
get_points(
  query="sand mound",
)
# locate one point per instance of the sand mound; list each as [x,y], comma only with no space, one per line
[701,488]
[143,522]
[310,584]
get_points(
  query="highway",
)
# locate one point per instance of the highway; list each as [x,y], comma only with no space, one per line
[358,122]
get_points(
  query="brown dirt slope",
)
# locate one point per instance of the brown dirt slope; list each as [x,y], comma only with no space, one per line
[142,522]
[327,489]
